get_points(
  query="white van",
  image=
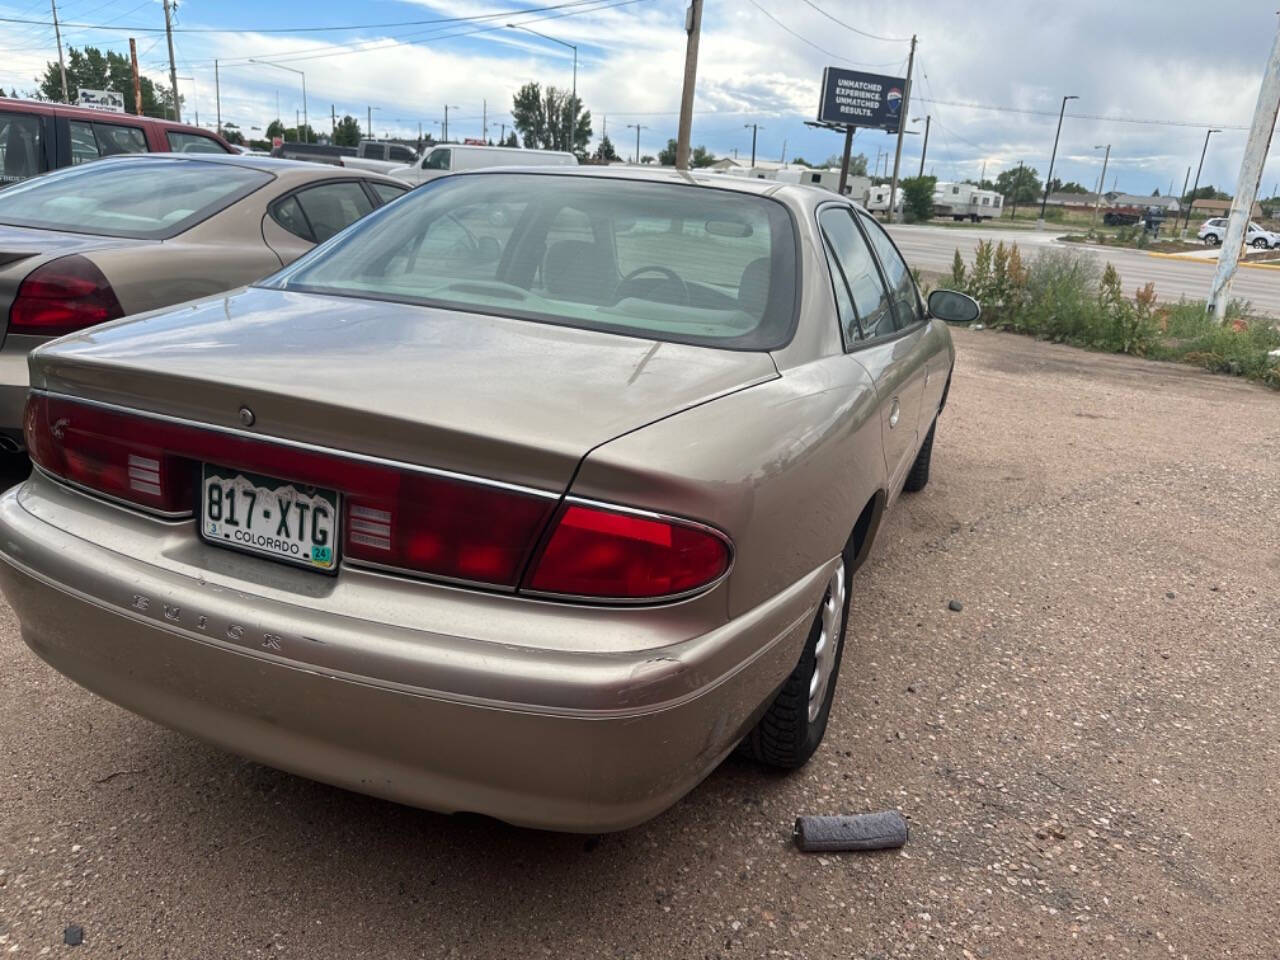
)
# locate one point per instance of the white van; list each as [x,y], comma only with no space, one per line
[452,157]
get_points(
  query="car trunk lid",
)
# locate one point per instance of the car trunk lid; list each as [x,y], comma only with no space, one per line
[490,396]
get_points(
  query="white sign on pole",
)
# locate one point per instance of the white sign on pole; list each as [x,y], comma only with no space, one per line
[107,100]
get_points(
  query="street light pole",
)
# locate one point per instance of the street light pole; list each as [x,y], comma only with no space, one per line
[754,127]
[444,134]
[638,127]
[1052,157]
[306,123]
[1102,182]
[1196,186]
[573,108]
[925,149]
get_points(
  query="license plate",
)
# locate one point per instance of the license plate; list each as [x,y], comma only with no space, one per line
[270,517]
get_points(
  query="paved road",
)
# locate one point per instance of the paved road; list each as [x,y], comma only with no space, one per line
[932,247]
[1087,752]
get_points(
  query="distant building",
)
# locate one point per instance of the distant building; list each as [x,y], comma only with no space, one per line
[1219,208]
[1168,204]
[1074,201]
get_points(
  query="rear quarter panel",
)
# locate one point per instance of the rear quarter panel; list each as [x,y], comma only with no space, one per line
[784,468]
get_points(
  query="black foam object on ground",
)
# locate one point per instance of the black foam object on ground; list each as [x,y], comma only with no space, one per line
[864,831]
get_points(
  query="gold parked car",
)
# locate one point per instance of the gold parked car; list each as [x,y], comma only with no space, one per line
[134,232]
[534,494]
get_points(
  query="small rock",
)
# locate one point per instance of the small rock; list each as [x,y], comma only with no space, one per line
[977,326]
[955,606]
[73,935]
[911,688]
[1170,595]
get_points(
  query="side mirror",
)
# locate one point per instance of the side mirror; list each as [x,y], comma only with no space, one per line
[954,307]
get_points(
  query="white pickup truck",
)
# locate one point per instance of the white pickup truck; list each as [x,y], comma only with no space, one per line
[451,157]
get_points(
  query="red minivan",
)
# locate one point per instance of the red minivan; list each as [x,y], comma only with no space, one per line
[38,135]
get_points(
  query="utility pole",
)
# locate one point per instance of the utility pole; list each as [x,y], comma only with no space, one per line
[173,68]
[484,121]
[1102,181]
[925,149]
[333,124]
[693,27]
[1017,184]
[902,127]
[844,160]
[754,127]
[1048,180]
[1187,222]
[368,122]
[137,84]
[1255,157]
[217,95]
[638,127]
[983,177]
[62,67]
[502,133]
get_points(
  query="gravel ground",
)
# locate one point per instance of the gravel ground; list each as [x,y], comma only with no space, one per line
[1087,752]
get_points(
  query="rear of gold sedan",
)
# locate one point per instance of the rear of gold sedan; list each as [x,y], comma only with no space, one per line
[499,502]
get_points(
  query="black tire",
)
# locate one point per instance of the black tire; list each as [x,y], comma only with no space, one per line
[785,737]
[1260,244]
[918,478]
[1211,240]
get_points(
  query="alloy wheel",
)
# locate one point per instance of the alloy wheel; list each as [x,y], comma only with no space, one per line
[829,639]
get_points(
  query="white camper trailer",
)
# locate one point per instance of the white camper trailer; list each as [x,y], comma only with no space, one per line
[878,198]
[964,201]
[828,179]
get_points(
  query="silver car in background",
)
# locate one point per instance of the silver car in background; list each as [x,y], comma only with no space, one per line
[533,494]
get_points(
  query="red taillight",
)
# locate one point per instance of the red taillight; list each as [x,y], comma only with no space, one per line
[602,553]
[63,295]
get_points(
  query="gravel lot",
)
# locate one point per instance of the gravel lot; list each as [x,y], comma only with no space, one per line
[1087,751]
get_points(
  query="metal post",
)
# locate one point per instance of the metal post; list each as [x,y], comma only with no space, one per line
[638,127]
[692,26]
[137,84]
[1052,157]
[306,123]
[484,121]
[925,148]
[173,67]
[902,126]
[217,95]
[844,159]
[62,67]
[754,128]
[1196,186]
[1255,157]
[368,122]
[1013,214]
[1102,182]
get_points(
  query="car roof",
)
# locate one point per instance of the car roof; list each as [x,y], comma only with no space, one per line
[643,174]
[277,166]
[104,116]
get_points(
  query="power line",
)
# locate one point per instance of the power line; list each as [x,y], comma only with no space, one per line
[849,26]
[806,40]
[293,30]
[370,45]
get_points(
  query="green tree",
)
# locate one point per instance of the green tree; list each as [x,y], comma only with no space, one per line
[92,69]
[1069,187]
[605,153]
[347,132]
[699,156]
[511,140]
[545,121]
[667,155]
[857,163]
[647,158]
[1019,184]
[275,129]
[231,133]
[917,197]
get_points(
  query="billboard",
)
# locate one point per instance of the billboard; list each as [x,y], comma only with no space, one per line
[854,99]
[107,100]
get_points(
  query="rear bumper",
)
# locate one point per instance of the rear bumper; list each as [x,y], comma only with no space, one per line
[544,738]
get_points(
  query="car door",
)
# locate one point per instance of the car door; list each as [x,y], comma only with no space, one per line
[298,221]
[879,334]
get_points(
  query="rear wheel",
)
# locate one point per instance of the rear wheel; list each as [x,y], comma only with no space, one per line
[918,478]
[794,725]
[1211,239]
[1260,244]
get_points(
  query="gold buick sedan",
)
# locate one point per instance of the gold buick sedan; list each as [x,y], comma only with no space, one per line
[134,232]
[533,494]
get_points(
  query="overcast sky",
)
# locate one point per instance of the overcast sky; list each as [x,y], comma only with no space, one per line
[1174,61]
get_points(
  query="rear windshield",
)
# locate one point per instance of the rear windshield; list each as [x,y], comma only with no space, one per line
[663,261]
[146,198]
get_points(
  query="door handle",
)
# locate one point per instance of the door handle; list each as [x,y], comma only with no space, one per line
[894,413]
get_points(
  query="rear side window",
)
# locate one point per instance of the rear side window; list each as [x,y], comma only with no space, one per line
[21,147]
[192,143]
[289,215]
[89,141]
[401,154]
[870,299]
[332,207]
[902,286]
